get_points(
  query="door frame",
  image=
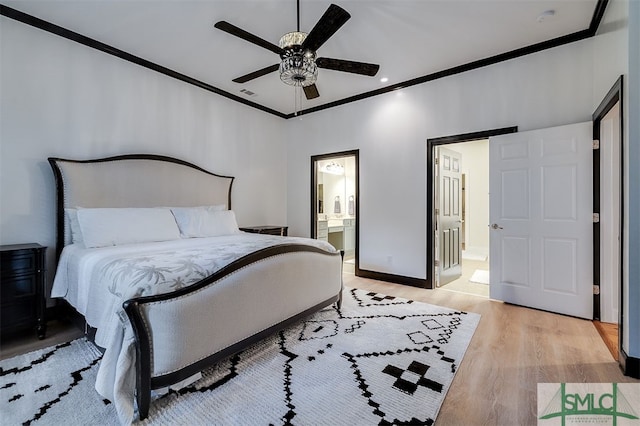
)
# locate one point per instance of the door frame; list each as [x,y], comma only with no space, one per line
[431,181]
[314,194]
[608,102]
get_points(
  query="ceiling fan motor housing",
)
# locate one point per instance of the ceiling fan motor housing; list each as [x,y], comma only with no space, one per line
[298,67]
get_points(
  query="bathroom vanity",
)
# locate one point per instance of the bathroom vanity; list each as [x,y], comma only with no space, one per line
[340,233]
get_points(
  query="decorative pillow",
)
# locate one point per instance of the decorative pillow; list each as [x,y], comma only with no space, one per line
[114,226]
[196,222]
[190,217]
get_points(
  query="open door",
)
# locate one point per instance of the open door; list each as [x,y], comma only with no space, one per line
[541,215]
[449,215]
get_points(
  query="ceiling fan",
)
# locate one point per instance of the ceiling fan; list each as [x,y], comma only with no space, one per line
[298,60]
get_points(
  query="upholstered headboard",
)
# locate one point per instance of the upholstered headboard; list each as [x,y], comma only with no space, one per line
[136,180]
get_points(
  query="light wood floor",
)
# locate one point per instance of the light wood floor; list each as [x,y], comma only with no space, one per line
[57,332]
[513,350]
[609,333]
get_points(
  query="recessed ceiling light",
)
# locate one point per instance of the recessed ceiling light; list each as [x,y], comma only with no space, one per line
[384,80]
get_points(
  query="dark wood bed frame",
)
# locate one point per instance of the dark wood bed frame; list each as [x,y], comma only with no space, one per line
[145,382]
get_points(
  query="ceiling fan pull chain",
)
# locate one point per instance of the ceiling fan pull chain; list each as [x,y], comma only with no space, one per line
[299,92]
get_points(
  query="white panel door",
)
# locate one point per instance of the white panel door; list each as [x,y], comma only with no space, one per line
[541,244]
[449,217]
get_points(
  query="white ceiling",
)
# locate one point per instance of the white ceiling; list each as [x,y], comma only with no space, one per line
[409,39]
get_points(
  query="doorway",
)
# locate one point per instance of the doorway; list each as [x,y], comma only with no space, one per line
[473,247]
[608,167]
[334,203]
[462,217]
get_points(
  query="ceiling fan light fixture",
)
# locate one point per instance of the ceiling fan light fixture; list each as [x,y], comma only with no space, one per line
[298,67]
[298,70]
[292,40]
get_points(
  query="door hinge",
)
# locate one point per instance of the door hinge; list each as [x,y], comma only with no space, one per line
[596,218]
[436,161]
[596,289]
[596,144]
[436,263]
[437,212]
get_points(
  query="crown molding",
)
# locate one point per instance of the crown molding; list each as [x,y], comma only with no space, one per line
[596,19]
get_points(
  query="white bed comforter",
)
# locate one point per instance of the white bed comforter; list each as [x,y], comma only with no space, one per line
[98,281]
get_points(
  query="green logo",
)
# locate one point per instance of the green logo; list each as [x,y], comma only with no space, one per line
[582,403]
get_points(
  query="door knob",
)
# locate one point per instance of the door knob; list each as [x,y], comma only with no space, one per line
[496,226]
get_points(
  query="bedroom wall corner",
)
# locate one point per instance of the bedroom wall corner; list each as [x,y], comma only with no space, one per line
[633,188]
[616,49]
[545,89]
[63,99]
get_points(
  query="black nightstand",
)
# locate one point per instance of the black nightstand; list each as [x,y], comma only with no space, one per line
[267,229]
[22,280]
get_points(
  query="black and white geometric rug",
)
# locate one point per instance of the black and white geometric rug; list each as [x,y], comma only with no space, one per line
[379,360]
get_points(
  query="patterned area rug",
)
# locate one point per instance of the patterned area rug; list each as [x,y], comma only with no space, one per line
[378,360]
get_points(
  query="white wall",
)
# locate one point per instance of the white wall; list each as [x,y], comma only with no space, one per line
[610,198]
[475,166]
[541,90]
[632,194]
[615,53]
[60,98]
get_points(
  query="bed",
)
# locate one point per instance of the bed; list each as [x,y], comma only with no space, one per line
[150,254]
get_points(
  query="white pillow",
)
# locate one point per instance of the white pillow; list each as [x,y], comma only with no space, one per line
[189,216]
[196,222]
[114,226]
[214,208]
[74,225]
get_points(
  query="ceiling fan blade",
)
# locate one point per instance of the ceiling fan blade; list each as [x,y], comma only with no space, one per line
[311,92]
[334,17]
[256,74]
[348,66]
[239,32]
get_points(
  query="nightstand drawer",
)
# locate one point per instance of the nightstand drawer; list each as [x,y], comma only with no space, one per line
[322,233]
[16,287]
[266,229]
[17,263]
[22,288]
[18,313]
